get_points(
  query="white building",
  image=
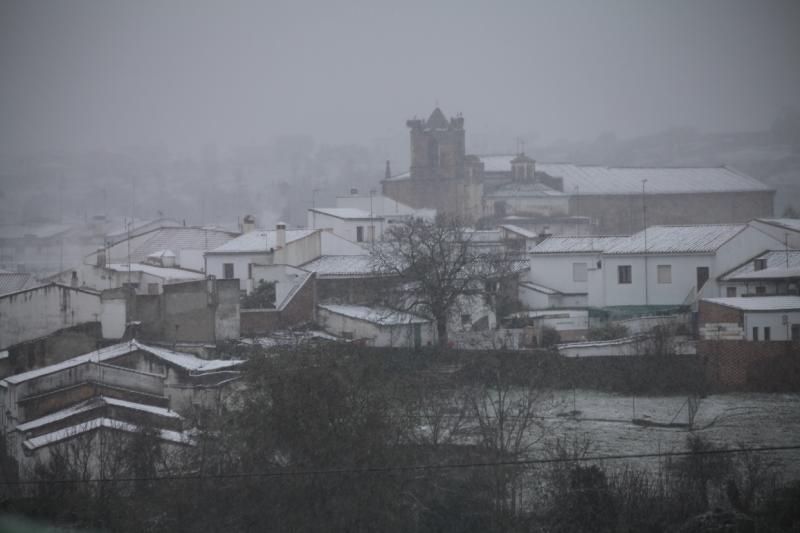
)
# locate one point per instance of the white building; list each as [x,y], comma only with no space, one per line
[672,265]
[355,225]
[235,259]
[761,318]
[771,273]
[376,326]
[559,270]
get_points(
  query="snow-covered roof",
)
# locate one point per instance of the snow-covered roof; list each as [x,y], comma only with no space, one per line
[575,244]
[90,405]
[183,360]
[792,224]
[375,315]
[701,238]
[165,273]
[538,288]
[260,241]
[343,266]
[779,264]
[528,234]
[177,437]
[347,213]
[175,239]
[759,303]
[597,179]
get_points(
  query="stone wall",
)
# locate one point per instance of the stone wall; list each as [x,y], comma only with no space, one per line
[622,214]
[459,196]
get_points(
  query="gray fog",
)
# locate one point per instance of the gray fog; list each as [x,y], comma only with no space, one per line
[81,75]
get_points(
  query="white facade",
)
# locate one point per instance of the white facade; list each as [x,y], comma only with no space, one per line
[354,225]
[34,313]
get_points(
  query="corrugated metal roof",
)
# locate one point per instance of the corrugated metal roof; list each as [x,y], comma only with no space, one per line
[260,241]
[16,281]
[375,315]
[596,179]
[701,238]
[575,244]
[779,264]
[759,303]
[180,238]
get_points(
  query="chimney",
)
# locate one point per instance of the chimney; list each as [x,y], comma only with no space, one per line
[73,282]
[388,174]
[280,235]
[248,224]
[353,191]
[101,257]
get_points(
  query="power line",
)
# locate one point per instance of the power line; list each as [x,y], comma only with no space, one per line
[410,468]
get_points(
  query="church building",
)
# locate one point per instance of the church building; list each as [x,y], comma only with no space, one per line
[614,200]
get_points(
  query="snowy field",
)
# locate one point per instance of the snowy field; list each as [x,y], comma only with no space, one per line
[733,420]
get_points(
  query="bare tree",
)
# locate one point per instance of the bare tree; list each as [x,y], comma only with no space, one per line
[438,266]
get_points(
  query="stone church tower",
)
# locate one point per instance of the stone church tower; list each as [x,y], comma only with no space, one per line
[437,147]
[441,175]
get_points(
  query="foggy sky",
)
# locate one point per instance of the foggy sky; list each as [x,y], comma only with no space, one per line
[78,75]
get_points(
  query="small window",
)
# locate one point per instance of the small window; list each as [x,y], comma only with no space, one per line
[579,272]
[755,333]
[759,264]
[730,292]
[664,273]
[767,333]
[359,233]
[624,274]
[227,270]
[761,290]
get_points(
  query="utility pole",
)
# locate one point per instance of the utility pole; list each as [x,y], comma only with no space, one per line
[644,221]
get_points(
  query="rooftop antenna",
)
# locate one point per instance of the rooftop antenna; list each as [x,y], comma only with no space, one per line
[644,221]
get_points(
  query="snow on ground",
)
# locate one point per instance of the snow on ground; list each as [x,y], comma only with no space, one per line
[732,420]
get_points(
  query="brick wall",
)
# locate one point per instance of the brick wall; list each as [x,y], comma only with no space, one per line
[744,365]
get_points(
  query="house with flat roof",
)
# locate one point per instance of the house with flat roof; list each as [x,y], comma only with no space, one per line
[355,225]
[759,318]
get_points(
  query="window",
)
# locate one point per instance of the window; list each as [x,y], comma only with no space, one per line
[465,319]
[664,273]
[759,264]
[579,272]
[152,288]
[755,333]
[796,332]
[624,274]
[730,292]
[227,270]
[359,233]
[767,333]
